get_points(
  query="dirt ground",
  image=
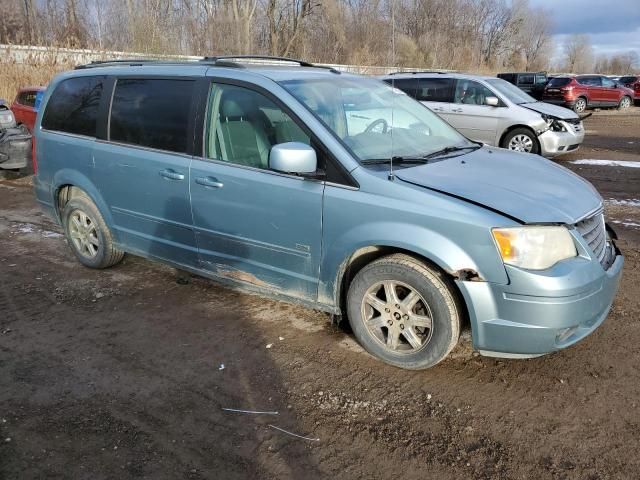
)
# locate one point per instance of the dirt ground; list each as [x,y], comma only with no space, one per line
[124,373]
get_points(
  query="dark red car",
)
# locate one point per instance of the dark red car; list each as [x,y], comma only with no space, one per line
[587,91]
[26,105]
[632,82]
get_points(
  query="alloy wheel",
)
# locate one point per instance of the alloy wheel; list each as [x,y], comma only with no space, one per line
[580,105]
[83,233]
[397,316]
[521,143]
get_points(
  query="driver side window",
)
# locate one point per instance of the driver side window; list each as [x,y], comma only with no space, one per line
[471,93]
[244,124]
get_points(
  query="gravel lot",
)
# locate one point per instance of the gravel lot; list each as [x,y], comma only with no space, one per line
[119,373]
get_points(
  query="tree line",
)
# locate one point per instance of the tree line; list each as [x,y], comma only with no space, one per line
[480,35]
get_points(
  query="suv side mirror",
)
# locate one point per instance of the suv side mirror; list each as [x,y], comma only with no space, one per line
[492,101]
[293,157]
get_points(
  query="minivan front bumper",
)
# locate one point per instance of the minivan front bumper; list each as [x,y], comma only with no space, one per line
[541,312]
[553,143]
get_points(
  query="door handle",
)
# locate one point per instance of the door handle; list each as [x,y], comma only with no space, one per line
[457,110]
[211,182]
[171,174]
[437,109]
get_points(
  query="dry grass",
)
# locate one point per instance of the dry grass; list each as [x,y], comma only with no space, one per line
[16,75]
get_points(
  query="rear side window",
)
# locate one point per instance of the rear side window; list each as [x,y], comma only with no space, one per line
[407,85]
[73,106]
[558,82]
[541,79]
[435,90]
[590,81]
[152,113]
[526,79]
[28,99]
[627,79]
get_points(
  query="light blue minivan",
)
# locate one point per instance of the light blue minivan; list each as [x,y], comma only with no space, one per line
[330,190]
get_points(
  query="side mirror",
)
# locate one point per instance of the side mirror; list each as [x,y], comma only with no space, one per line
[492,101]
[293,157]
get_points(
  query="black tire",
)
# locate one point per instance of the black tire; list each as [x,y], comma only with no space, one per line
[106,254]
[625,103]
[431,286]
[517,133]
[580,105]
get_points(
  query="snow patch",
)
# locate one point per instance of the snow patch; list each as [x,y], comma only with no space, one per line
[633,202]
[607,163]
[626,223]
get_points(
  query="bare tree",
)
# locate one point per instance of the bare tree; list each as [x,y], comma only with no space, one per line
[578,54]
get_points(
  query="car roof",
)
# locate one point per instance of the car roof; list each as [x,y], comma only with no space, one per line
[33,88]
[469,76]
[275,68]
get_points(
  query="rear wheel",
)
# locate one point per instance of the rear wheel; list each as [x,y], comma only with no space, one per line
[88,235]
[625,102]
[580,105]
[404,312]
[521,140]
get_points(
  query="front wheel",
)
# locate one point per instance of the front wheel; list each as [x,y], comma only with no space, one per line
[404,312]
[521,140]
[625,102]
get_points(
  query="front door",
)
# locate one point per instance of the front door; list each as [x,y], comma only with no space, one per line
[470,115]
[142,170]
[254,225]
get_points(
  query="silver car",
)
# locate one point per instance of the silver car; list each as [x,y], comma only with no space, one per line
[493,111]
[7,120]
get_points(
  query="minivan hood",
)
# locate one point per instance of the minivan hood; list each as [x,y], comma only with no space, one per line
[526,187]
[553,110]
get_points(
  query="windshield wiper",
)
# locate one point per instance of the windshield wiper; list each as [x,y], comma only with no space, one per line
[446,150]
[379,161]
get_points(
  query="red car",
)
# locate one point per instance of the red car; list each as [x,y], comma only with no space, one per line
[632,82]
[26,105]
[587,91]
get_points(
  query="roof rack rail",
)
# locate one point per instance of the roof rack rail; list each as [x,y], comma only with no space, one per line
[227,60]
[302,63]
[103,63]
[414,72]
[220,61]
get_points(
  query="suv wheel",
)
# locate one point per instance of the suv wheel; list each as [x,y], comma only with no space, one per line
[404,312]
[580,105]
[88,235]
[625,102]
[521,140]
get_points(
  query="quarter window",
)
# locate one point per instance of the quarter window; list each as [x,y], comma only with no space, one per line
[244,125]
[73,106]
[471,93]
[152,113]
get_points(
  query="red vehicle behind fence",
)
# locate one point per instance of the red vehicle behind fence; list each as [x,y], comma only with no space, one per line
[587,91]
[26,105]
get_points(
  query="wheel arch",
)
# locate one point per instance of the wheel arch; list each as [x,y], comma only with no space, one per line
[68,184]
[511,128]
[363,256]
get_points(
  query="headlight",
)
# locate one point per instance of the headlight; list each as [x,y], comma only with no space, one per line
[553,123]
[534,248]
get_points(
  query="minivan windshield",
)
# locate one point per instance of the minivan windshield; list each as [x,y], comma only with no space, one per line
[376,121]
[509,90]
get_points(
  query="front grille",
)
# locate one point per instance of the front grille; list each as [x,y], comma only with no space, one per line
[594,232]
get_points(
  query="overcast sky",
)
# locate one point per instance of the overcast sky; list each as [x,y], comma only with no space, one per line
[613,25]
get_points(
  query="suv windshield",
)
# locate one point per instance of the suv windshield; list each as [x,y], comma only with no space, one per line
[513,93]
[375,120]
